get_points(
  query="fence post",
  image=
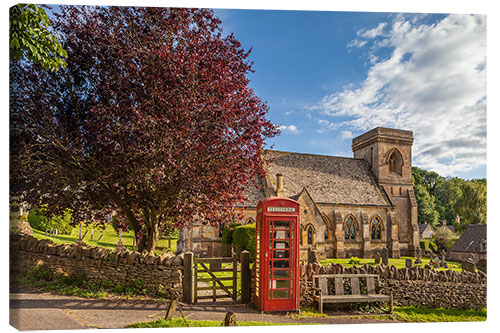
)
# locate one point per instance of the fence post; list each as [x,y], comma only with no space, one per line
[187,278]
[245,276]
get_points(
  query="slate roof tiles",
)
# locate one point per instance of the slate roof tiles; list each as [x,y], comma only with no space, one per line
[329,179]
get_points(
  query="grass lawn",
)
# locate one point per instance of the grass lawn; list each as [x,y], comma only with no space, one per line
[425,315]
[399,263]
[108,240]
[401,314]
[179,322]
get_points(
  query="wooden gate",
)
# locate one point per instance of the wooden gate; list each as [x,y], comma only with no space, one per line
[212,274]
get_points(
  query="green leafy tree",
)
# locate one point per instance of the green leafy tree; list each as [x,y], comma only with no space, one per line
[426,206]
[31,40]
[471,204]
[446,194]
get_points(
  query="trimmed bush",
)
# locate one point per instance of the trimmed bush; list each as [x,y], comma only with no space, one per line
[227,233]
[244,239]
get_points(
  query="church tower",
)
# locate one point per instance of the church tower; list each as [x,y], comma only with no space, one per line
[388,152]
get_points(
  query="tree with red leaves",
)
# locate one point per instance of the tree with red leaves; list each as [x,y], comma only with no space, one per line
[152,118]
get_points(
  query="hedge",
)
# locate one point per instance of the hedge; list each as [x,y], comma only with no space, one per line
[244,239]
[227,233]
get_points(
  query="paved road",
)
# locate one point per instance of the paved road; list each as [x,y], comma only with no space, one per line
[34,310]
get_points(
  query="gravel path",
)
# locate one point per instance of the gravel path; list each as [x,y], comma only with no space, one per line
[35,310]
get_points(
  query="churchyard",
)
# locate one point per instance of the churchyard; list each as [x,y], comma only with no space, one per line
[106,238]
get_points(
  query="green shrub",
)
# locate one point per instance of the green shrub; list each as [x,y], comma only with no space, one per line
[427,245]
[444,238]
[41,272]
[244,239]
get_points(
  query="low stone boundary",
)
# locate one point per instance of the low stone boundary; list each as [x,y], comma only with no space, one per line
[158,273]
[411,286]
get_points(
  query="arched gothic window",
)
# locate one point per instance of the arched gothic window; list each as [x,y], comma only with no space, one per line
[376,228]
[249,221]
[395,162]
[310,235]
[326,232]
[350,228]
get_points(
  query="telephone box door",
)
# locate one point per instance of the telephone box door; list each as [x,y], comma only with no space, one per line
[279,255]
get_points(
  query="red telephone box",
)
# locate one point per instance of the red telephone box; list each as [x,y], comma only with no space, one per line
[277,255]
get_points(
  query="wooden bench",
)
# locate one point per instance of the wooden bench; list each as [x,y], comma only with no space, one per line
[321,295]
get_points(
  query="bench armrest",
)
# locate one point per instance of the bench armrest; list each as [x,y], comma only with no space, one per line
[317,291]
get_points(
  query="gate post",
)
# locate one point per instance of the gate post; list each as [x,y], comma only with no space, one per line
[245,276]
[187,278]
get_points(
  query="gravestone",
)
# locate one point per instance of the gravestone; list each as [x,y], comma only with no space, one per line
[443,260]
[120,245]
[312,255]
[468,266]
[419,253]
[481,265]
[385,256]
[408,263]
[376,256]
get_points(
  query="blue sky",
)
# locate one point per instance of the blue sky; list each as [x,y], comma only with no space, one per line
[330,76]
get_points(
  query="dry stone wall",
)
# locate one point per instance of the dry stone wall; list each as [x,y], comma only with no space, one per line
[158,273]
[411,286]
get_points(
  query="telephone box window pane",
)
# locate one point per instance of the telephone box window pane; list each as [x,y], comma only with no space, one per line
[281,224]
[281,245]
[281,284]
[281,264]
[277,294]
[281,254]
[280,234]
[279,274]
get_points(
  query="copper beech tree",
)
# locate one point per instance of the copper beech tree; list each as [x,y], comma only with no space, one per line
[153,118]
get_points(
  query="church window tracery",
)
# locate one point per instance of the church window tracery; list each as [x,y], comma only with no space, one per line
[376,228]
[350,228]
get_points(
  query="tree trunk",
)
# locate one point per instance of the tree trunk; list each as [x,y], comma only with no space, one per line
[152,238]
[141,243]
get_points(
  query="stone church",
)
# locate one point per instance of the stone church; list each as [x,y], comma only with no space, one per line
[349,206]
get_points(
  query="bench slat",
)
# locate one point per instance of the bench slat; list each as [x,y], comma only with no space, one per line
[370,285]
[339,286]
[355,285]
[354,298]
[322,284]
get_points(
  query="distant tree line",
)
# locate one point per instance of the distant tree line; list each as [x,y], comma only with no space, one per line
[443,198]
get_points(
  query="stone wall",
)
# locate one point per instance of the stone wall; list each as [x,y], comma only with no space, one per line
[411,286]
[98,264]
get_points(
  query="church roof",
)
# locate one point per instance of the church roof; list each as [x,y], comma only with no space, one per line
[470,241]
[328,179]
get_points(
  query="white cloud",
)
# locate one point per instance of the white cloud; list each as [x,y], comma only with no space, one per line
[372,33]
[291,129]
[346,135]
[433,82]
